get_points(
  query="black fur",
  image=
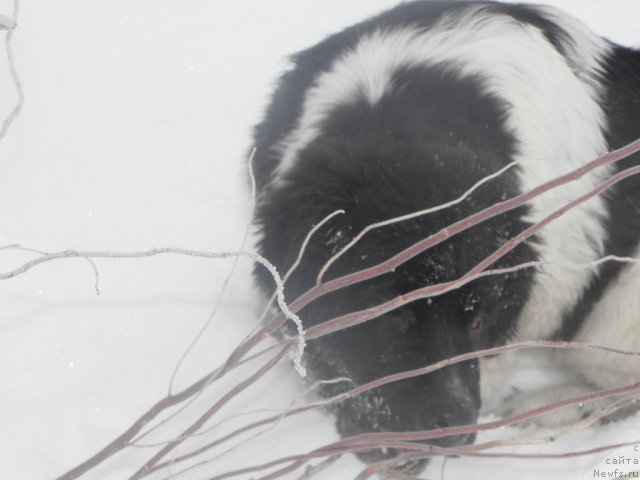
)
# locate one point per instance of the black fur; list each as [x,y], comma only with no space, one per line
[622,81]
[424,143]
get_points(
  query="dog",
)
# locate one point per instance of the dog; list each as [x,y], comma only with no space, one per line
[409,110]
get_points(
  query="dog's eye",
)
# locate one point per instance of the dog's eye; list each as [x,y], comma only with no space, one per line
[476,323]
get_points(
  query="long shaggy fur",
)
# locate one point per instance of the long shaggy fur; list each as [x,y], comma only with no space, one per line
[408,110]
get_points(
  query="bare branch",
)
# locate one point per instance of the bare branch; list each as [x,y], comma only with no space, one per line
[272,421]
[312,471]
[10,24]
[580,425]
[306,241]
[415,373]
[124,439]
[295,265]
[227,279]
[442,468]
[424,451]
[252,178]
[7,23]
[180,251]
[356,318]
[202,420]
[408,216]
[211,315]
[96,273]
[199,385]
[379,440]
[241,351]
[419,247]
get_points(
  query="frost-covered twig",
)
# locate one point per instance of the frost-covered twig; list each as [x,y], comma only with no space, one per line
[296,263]
[96,273]
[10,24]
[125,438]
[284,308]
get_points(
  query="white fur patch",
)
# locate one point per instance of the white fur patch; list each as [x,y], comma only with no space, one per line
[553,111]
[613,322]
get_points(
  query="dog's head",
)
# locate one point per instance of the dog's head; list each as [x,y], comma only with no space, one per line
[457,319]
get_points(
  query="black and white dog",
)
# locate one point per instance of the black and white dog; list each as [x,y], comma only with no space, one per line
[407,111]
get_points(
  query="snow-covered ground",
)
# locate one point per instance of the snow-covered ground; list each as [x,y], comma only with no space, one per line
[134,135]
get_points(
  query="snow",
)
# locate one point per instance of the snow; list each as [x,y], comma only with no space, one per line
[134,135]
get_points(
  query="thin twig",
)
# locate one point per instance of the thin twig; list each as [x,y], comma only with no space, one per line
[415,373]
[315,228]
[250,166]
[294,266]
[408,216]
[284,308]
[204,418]
[569,430]
[124,439]
[227,280]
[426,448]
[431,241]
[356,318]
[423,451]
[312,471]
[443,466]
[113,447]
[10,25]
[96,273]
[281,415]
[245,347]
[273,421]
[394,475]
